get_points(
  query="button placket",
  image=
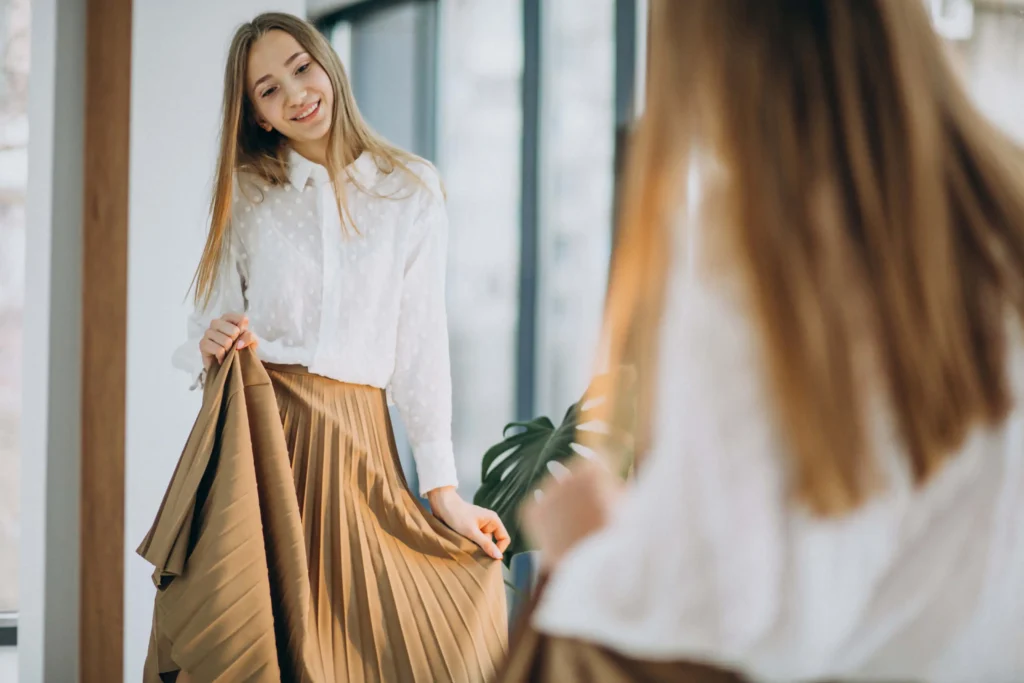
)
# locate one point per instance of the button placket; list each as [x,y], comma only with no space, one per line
[330,239]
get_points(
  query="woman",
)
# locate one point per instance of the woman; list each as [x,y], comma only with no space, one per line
[326,251]
[835,484]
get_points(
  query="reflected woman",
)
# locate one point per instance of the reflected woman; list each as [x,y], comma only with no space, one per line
[326,252]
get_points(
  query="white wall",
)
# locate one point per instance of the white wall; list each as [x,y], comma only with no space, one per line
[178,57]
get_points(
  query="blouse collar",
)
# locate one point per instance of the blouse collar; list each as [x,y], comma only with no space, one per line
[301,170]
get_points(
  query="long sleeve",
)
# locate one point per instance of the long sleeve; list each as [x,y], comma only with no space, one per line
[228,296]
[421,384]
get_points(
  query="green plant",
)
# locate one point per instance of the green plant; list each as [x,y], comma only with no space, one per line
[513,470]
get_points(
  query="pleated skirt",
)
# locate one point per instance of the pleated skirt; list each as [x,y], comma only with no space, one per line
[397,596]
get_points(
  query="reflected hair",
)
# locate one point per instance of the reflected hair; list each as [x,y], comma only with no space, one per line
[861,202]
[246,147]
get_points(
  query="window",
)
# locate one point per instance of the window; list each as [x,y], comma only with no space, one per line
[14,49]
[577,181]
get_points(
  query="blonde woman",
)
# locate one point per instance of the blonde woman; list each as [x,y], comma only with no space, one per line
[835,485]
[326,252]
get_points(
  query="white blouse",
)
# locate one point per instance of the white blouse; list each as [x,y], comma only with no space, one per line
[366,308]
[706,559]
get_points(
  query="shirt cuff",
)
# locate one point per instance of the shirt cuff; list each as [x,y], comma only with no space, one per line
[188,358]
[435,465]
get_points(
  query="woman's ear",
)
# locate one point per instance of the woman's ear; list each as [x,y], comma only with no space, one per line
[260,121]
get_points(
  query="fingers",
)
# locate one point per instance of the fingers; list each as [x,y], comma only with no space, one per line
[225,331]
[225,327]
[214,345]
[211,349]
[246,339]
[219,338]
[484,541]
[240,320]
[495,527]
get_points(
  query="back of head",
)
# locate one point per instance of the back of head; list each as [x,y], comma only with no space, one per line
[862,199]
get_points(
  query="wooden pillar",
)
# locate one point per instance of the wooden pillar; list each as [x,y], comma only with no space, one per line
[104,337]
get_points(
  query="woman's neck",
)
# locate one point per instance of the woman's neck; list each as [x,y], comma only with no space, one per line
[314,150]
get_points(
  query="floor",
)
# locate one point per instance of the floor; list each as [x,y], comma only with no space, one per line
[8,665]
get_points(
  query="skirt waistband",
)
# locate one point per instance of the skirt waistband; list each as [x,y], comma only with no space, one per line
[290,369]
[323,380]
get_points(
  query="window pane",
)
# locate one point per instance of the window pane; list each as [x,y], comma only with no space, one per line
[390,61]
[577,148]
[14,47]
[479,155]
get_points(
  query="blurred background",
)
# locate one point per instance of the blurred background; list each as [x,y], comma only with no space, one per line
[522,104]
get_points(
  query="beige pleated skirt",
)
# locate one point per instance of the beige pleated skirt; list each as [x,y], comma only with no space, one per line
[397,596]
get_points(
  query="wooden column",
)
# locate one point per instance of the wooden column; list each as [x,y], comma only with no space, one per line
[104,337]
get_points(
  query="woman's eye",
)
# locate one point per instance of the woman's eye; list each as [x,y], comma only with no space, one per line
[269,91]
[303,69]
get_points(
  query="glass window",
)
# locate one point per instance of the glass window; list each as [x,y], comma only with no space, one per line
[14,52]
[577,181]
[479,154]
[389,52]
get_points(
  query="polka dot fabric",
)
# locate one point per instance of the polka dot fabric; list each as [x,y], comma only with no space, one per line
[362,307]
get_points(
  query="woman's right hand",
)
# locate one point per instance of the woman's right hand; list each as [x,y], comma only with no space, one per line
[230,328]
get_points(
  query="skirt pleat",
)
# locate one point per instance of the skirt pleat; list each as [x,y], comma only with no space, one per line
[396,595]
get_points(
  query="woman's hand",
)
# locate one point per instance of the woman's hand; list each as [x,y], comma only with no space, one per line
[570,509]
[230,328]
[478,524]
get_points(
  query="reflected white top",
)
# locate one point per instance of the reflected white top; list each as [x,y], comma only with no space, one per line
[363,309]
[706,559]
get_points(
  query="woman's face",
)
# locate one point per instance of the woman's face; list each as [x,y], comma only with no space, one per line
[290,91]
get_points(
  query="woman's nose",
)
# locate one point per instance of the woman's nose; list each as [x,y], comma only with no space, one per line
[296,96]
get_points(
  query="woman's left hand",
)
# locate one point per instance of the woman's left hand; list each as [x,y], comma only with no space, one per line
[480,525]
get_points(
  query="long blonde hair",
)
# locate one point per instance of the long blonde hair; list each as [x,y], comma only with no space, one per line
[245,146]
[863,196]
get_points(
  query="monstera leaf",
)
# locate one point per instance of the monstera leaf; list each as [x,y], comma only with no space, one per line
[514,468]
